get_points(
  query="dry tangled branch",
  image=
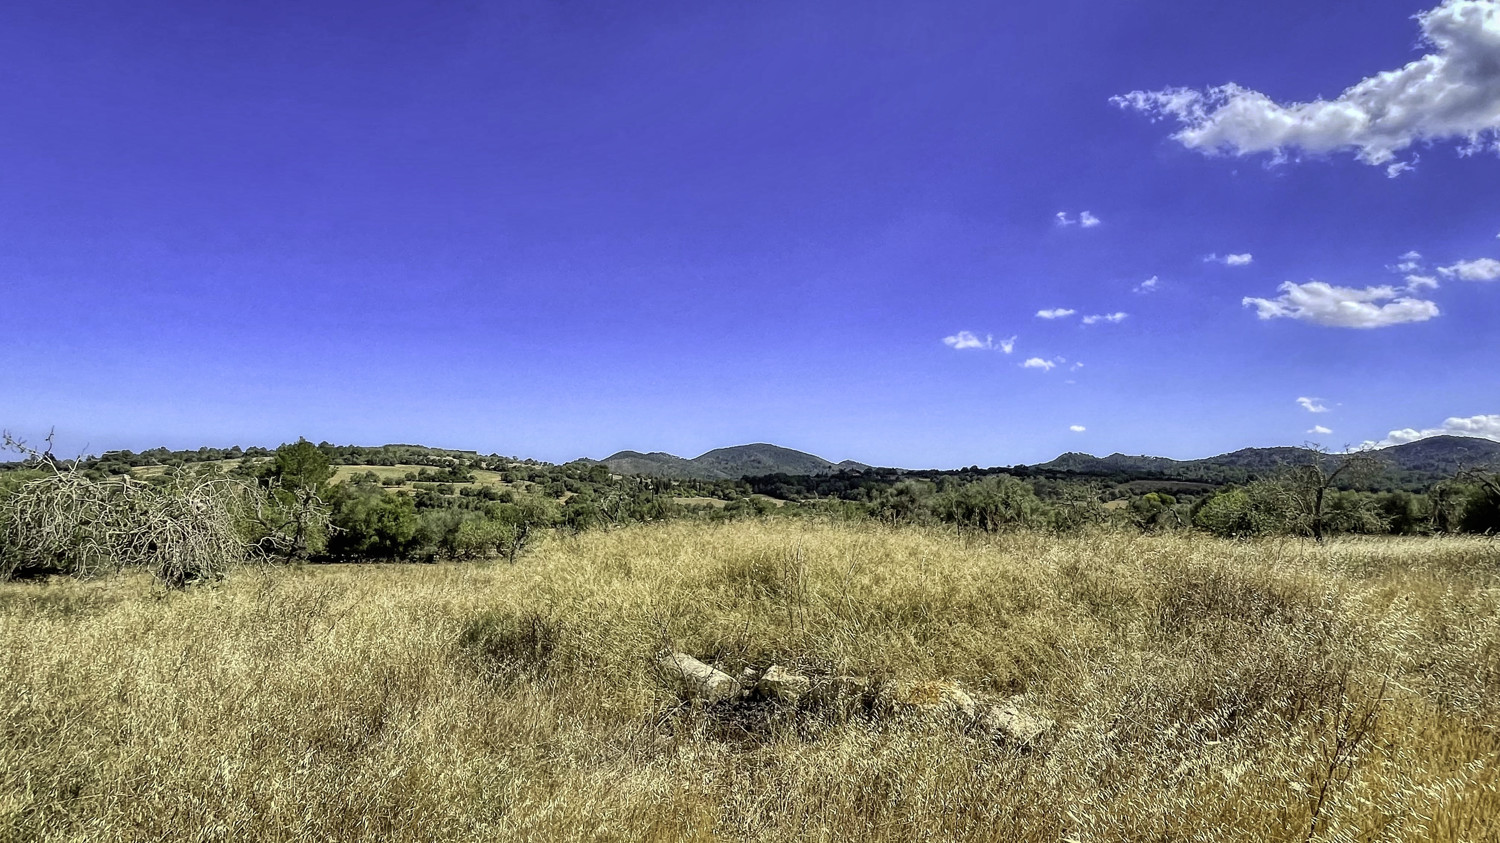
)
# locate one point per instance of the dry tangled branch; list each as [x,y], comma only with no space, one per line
[67,523]
[187,530]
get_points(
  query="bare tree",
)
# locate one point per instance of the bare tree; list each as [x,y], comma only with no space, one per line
[1311,481]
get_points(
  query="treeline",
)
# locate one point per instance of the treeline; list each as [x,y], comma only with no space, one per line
[1329,494]
[286,503]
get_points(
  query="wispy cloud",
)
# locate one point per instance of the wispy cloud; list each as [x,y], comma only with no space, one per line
[1077,428]
[1320,430]
[1343,307]
[1242,259]
[1105,317]
[1312,405]
[1039,363]
[1480,269]
[1085,219]
[1450,94]
[1409,262]
[964,340]
[1056,313]
[1147,286]
[1484,426]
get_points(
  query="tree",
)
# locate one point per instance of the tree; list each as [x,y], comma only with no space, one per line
[1481,513]
[1311,482]
[519,522]
[299,477]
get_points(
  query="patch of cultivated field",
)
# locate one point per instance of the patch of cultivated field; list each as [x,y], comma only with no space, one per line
[1200,690]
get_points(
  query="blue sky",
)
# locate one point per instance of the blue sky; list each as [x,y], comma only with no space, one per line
[563,229]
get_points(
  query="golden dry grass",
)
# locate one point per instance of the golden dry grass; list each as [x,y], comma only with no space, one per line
[1203,690]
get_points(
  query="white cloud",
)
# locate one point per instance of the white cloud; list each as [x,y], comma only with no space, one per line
[1244,259]
[1485,427]
[1320,430]
[967,339]
[1147,286]
[1343,307]
[1482,269]
[1313,405]
[1452,93]
[1077,428]
[1085,219]
[1396,169]
[1038,363]
[1055,313]
[1409,262]
[1421,282]
[1105,317]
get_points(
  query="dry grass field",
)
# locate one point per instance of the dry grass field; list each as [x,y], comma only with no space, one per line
[1202,690]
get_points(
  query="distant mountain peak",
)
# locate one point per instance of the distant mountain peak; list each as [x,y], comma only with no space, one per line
[730,463]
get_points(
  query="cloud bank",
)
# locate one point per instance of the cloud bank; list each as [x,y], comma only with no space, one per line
[1450,94]
[1483,269]
[1485,427]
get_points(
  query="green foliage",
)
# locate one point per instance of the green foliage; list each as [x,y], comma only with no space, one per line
[1481,511]
[371,524]
[991,505]
[1256,509]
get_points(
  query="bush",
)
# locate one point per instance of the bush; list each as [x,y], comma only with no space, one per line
[992,504]
[1257,509]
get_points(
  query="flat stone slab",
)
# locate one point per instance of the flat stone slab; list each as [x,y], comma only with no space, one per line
[698,680]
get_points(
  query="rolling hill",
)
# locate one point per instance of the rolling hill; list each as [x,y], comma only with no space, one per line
[1433,457]
[726,463]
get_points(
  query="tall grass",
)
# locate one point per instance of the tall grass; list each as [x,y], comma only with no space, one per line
[1203,690]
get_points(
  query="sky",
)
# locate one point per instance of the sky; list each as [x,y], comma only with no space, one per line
[923,234]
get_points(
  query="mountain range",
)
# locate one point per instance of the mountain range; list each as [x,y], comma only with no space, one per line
[726,463]
[1434,457]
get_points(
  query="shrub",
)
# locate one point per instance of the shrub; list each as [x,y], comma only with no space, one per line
[992,504]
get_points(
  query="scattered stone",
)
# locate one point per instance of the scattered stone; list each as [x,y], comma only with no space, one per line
[782,685]
[749,678]
[698,680]
[1007,722]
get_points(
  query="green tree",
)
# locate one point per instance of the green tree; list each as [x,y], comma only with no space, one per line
[299,476]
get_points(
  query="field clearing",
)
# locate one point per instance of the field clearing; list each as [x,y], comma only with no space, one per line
[1202,690]
[716,503]
[482,477]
